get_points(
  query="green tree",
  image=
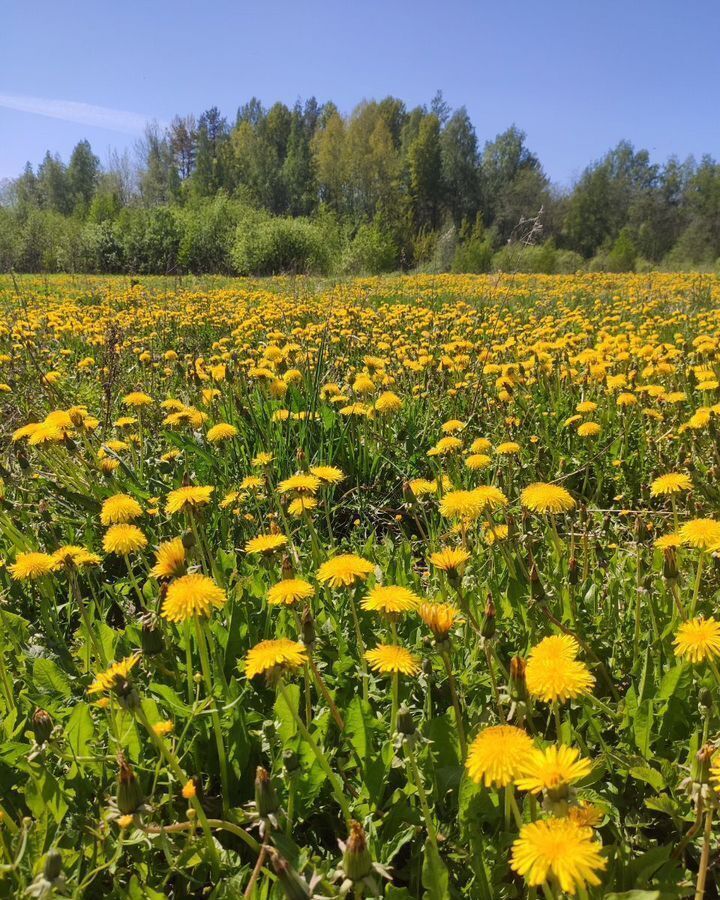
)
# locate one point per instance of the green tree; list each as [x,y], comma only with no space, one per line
[425,172]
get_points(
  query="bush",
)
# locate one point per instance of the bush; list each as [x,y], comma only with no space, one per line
[623,254]
[539,258]
[371,251]
[208,235]
[474,257]
[274,246]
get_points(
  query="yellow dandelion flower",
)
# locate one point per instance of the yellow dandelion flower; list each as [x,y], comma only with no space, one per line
[589,429]
[278,654]
[546,498]
[672,483]
[558,678]
[192,595]
[702,534]
[344,570]
[301,505]
[449,559]
[389,658]
[439,618]
[390,599]
[115,676]
[698,640]
[223,431]
[495,756]
[299,484]
[187,497]
[388,403]
[551,768]
[289,591]
[123,539]
[119,509]
[169,559]
[266,543]
[72,555]
[668,541]
[477,461]
[137,398]
[33,565]
[328,474]
[560,850]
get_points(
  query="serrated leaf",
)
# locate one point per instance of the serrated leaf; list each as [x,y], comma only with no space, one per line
[49,677]
[649,776]
[434,874]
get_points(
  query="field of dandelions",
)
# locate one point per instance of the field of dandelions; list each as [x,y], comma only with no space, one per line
[396,588]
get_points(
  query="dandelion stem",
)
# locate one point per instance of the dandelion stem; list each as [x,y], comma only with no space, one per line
[456,703]
[217,727]
[422,796]
[705,857]
[319,755]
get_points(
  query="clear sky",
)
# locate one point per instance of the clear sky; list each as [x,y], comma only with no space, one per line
[577,76]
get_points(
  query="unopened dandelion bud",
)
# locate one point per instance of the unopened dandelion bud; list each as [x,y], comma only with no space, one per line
[700,767]
[517,686]
[357,859]
[405,723]
[670,567]
[427,666]
[151,638]
[512,527]
[42,726]
[293,884]
[287,568]
[198,678]
[188,540]
[266,799]
[537,591]
[52,866]
[573,574]
[706,698]
[489,621]
[308,627]
[129,791]
[291,762]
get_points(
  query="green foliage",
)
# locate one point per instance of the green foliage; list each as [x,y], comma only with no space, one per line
[372,250]
[273,246]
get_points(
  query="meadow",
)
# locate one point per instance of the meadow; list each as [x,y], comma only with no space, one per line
[392,587]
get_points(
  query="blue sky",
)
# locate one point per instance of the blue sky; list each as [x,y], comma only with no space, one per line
[576,76]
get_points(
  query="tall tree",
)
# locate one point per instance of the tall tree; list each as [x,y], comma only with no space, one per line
[425,169]
[82,175]
[460,167]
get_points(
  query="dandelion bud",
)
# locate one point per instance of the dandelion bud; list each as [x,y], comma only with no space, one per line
[706,698]
[357,860]
[427,666]
[308,627]
[512,527]
[517,686]
[405,723]
[700,767]
[151,638]
[488,624]
[266,799]
[42,726]
[188,540]
[287,568]
[291,762]
[537,591]
[129,791]
[573,575]
[301,458]
[52,866]
[670,569]
[293,884]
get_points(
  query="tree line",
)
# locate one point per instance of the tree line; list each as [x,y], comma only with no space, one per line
[307,188]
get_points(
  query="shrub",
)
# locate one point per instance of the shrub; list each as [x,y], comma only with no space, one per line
[372,250]
[273,246]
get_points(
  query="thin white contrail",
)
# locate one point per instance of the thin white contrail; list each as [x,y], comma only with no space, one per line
[82,113]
